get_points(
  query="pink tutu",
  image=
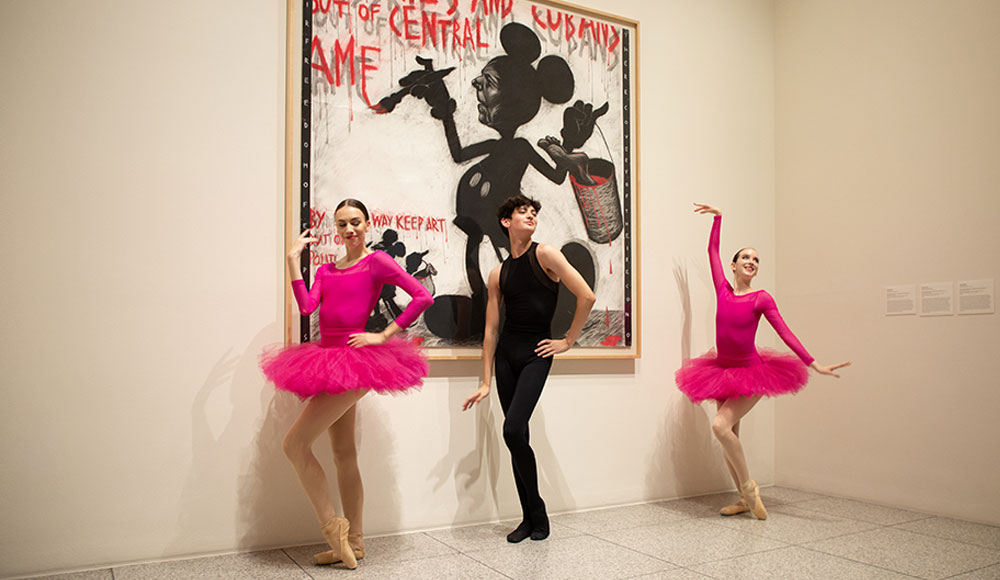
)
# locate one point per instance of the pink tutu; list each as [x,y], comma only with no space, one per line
[706,377]
[309,369]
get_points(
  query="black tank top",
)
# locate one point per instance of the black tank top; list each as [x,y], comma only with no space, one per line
[529,295]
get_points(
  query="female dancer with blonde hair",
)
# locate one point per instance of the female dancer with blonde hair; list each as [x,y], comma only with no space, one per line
[348,362]
[735,373]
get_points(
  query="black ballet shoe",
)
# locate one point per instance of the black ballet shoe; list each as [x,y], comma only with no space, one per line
[540,525]
[522,532]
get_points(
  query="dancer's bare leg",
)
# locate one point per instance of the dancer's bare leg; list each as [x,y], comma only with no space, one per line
[320,413]
[739,507]
[345,457]
[726,419]
[352,494]
[736,431]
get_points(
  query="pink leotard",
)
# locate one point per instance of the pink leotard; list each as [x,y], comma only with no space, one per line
[347,297]
[737,317]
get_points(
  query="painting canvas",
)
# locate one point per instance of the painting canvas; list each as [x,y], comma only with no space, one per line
[434,112]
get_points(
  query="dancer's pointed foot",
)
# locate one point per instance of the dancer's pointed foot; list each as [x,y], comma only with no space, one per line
[335,531]
[735,509]
[750,495]
[520,533]
[357,543]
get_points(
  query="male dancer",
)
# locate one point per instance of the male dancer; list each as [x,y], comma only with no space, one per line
[528,282]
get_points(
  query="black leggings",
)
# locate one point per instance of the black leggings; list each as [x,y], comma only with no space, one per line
[521,376]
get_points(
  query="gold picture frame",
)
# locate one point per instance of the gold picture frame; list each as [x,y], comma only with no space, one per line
[363,120]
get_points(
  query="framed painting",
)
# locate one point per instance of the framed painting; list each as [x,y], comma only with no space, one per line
[432,113]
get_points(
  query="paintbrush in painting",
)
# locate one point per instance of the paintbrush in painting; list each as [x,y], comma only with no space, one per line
[415,83]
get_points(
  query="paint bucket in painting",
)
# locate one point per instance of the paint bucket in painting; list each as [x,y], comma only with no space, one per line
[600,203]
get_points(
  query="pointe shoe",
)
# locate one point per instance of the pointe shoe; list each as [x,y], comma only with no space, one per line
[335,532]
[750,495]
[357,543]
[737,508]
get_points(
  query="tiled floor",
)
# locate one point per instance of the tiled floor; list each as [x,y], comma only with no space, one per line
[807,536]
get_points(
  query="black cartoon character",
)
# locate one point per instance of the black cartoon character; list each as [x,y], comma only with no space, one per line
[386,310]
[421,269]
[509,90]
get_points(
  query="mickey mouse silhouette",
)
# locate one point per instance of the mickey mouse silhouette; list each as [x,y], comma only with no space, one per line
[386,310]
[509,90]
[422,270]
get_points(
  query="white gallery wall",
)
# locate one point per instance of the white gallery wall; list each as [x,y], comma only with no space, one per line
[888,136]
[141,170]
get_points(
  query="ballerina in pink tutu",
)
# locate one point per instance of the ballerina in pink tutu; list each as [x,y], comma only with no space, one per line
[348,362]
[735,373]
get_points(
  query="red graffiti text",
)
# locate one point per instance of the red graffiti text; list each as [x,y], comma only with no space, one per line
[343,55]
[409,222]
[600,33]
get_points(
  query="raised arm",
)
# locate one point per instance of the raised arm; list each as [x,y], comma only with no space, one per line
[490,337]
[552,260]
[307,299]
[443,108]
[718,273]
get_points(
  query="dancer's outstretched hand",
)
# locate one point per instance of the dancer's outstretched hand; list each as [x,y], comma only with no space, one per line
[481,393]
[705,208]
[828,369]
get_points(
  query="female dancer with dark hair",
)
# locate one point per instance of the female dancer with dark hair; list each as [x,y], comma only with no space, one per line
[342,368]
[736,374]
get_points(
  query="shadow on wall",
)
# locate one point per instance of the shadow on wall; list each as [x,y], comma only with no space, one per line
[685,451]
[378,459]
[206,466]
[274,510]
[480,469]
[223,400]
[475,470]
[271,508]
[551,482]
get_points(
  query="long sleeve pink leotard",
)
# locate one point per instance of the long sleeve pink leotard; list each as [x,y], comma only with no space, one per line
[346,297]
[737,317]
